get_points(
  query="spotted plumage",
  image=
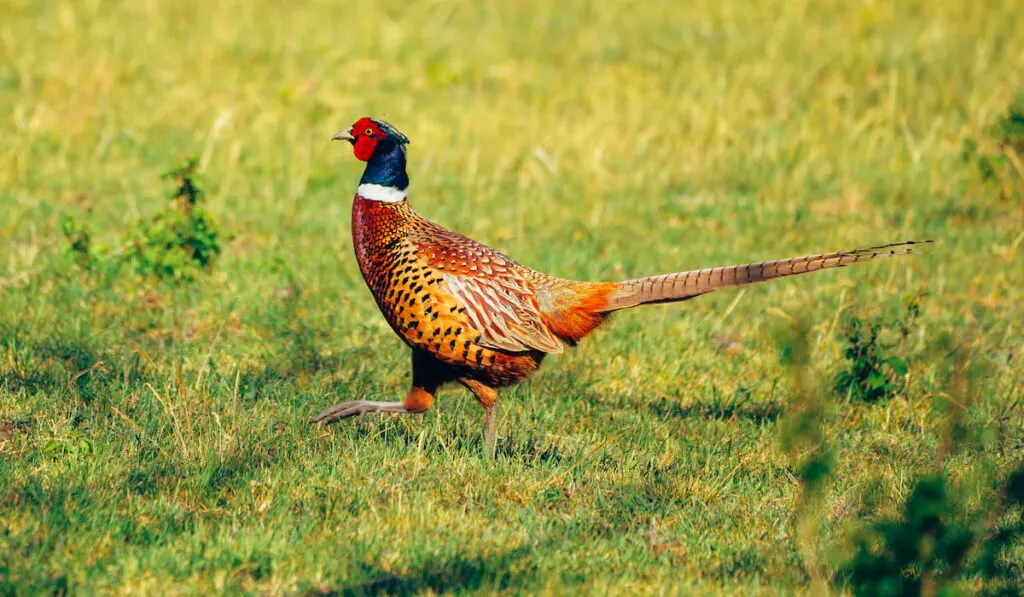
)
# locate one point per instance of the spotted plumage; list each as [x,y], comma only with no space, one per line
[473,315]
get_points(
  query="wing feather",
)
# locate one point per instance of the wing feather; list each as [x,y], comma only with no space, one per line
[498,295]
[506,314]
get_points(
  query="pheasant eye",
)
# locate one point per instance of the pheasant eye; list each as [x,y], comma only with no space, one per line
[368,132]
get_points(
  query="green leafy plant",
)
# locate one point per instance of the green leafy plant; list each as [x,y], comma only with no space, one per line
[938,543]
[1005,577]
[802,436]
[999,156]
[900,556]
[79,242]
[875,371]
[933,544]
[178,243]
[183,239]
[6,587]
[75,445]
[927,549]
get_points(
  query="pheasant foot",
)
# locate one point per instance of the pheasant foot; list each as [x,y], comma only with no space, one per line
[354,408]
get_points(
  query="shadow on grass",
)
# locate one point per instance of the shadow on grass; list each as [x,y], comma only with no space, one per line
[57,363]
[755,412]
[711,406]
[298,366]
[460,573]
[527,450]
[518,446]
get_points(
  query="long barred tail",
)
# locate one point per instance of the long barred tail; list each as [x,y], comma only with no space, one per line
[668,288]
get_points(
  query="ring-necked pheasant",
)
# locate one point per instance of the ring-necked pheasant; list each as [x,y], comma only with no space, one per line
[476,317]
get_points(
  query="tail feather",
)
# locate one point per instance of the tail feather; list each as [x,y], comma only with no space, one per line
[680,286]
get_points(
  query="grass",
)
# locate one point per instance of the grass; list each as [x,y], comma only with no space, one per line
[153,436]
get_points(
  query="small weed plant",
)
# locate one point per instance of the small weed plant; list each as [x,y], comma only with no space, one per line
[875,369]
[999,155]
[938,543]
[179,242]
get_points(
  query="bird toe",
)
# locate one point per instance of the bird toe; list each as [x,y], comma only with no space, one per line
[345,410]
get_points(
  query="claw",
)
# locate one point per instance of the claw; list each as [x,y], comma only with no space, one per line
[353,408]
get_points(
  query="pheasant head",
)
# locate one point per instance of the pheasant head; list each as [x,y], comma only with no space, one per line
[382,147]
[368,136]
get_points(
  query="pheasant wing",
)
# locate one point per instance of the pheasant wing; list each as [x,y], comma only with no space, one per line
[500,302]
[504,311]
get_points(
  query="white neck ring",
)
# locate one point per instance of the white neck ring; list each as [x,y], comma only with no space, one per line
[376,192]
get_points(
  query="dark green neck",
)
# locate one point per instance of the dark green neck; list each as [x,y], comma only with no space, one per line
[387,166]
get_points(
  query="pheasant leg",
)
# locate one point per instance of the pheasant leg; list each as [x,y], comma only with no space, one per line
[425,381]
[489,429]
[488,398]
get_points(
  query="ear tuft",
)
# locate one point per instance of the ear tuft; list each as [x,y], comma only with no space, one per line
[392,131]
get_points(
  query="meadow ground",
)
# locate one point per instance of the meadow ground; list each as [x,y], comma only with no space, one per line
[153,436]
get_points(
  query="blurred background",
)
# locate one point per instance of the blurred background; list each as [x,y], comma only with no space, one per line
[153,405]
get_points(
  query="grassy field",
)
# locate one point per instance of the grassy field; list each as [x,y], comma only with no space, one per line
[153,436]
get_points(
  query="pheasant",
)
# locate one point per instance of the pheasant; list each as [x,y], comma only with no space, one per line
[474,316]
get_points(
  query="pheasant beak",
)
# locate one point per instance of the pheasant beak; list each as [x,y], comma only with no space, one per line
[345,135]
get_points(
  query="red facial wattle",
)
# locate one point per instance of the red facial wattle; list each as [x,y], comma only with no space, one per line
[364,146]
[367,134]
